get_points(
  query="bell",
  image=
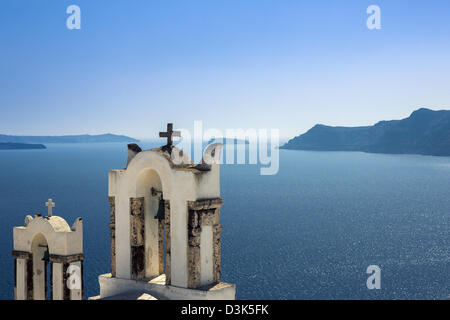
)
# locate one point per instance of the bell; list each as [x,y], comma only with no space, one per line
[161,215]
[46,257]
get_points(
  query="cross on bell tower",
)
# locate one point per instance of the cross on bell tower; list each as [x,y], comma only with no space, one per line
[169,135]
[50,204]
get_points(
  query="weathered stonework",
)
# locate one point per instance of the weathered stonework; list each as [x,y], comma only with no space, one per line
[161,246]
[168,245]
[202,213]
[217,229]
[66,259]
[205,204]
[21,255]
[194,232]
[112,228]
[137,238]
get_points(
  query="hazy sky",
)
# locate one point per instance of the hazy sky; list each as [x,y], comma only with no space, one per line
[286,64]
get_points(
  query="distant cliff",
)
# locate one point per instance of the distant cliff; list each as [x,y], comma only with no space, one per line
[20,146]
[86,138]
[425,132]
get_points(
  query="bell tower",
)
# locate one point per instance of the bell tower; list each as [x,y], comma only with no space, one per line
[165,225]
[46,247]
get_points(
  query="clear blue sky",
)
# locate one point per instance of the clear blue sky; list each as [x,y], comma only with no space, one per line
[287,64]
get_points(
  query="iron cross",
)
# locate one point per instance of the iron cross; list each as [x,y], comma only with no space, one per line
[169,134]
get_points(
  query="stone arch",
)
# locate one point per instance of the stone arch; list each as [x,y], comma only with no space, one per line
[40,256]
[49,228]
[149,160]
[154,168]
[149,187]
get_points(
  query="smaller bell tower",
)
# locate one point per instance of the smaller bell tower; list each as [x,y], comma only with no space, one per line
[46,247]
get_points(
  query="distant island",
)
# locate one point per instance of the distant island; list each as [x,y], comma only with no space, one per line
[424,132]
[86,138]
[20,146]
[225,140]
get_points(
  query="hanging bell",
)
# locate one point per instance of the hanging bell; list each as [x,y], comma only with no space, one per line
[46,257]
[161,215]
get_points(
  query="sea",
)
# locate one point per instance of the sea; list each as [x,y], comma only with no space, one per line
[308,232]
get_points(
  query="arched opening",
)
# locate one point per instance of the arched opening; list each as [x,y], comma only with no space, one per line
[149,187]
[40,254]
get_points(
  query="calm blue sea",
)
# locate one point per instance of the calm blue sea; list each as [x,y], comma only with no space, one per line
[308,232]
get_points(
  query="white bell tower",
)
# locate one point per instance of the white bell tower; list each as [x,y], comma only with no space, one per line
[44,241]
[165,226]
